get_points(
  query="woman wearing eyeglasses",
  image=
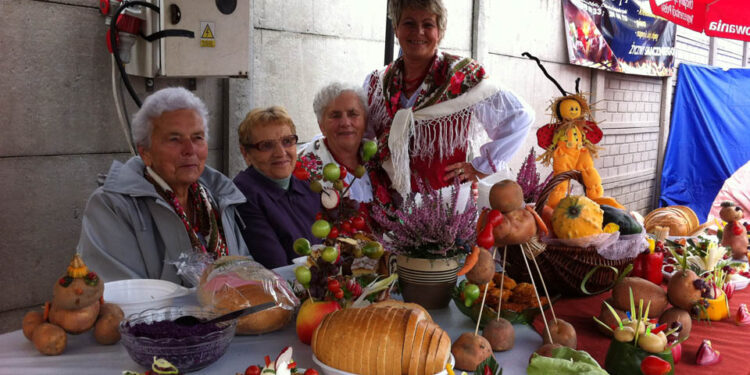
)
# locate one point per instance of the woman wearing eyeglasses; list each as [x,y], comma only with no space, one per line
[279,208]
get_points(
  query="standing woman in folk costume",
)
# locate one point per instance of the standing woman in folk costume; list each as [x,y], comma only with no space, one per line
[427,107]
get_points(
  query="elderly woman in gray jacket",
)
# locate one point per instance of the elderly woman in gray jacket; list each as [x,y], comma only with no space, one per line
[165,201]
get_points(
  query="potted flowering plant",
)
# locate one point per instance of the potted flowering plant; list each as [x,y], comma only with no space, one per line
[428,234]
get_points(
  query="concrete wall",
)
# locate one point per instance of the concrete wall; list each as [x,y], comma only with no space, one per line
[59,132]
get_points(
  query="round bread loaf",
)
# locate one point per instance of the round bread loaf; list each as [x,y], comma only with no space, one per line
[234,296]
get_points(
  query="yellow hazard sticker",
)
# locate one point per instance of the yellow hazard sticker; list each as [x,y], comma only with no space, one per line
[208,38]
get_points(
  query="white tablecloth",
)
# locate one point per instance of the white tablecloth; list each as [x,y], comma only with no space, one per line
[84,356]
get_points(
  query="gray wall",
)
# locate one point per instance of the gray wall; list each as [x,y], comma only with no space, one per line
[60,129]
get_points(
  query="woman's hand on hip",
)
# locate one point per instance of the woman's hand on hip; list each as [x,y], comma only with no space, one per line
[462,171]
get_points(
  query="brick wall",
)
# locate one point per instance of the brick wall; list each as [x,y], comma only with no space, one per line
[629,118]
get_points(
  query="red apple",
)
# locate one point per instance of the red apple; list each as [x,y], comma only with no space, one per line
[309,316]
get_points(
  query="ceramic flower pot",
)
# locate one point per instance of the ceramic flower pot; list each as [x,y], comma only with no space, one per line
[427,282]
[623,358]
[717,308]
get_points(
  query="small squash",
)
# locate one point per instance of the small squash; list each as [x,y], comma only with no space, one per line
[577,216]
[627,224]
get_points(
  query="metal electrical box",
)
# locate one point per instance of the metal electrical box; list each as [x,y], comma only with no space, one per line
[221,46]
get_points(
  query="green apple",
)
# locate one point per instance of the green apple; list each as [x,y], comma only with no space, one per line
[369,148]
[331,172]
[373,250]
[329,254]
[360,171]
[303,275]
[316,186]
[320,228]
[302,246]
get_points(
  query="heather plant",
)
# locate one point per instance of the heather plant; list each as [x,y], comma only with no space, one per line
[429,226]
[528,179]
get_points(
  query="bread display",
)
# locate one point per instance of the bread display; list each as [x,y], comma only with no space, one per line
[680,220]
[379,340]
[235,282]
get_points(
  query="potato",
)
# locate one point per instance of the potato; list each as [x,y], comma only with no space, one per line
[562,333]
[518,227]
[32,320]
[606,317]
[470,350]
[111,309]
[681,291]
[506,196]
[500,334]
[105,329]
[676,314]
[49,339]
[483,271]
[642,290]
[74,321]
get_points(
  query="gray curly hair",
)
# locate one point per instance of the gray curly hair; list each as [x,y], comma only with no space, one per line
[331,91]
[165,100]
[396,7]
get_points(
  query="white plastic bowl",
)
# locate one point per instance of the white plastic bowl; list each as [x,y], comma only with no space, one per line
[137,295]
[328,370]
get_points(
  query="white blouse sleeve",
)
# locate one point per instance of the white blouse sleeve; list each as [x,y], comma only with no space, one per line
[506,118]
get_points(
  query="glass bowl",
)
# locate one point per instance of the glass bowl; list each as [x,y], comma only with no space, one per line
[188,353]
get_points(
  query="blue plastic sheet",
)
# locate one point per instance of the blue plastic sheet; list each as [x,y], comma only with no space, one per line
[709,136]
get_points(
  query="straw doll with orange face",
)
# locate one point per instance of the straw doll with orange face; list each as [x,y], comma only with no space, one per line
[570,143]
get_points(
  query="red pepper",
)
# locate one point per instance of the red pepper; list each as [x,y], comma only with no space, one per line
[487,370]
[485,239]
[659,328]
[653,365]
[268,361]
[648,266]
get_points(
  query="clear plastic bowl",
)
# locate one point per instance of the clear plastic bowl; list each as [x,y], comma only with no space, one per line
[189,353]
[136,295]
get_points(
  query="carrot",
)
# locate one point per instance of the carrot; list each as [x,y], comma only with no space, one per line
[47,306]
[539,222]
[471,261]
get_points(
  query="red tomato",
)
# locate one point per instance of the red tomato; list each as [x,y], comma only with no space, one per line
[334,233]
[343,172]
[359,223]
[311,371]
[346,227]
[252,370]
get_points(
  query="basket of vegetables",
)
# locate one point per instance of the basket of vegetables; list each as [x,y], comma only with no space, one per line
[565,267]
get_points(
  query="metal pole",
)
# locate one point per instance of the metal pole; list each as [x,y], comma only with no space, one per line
[388,56]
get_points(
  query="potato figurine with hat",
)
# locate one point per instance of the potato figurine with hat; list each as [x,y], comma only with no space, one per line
[76,307]
[569,143]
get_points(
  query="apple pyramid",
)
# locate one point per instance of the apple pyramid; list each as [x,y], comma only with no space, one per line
[381,340]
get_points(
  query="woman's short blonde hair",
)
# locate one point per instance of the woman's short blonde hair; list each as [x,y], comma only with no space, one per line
[262,117]
[396,7]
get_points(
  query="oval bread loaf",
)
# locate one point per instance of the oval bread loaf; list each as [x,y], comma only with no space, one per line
[381,341]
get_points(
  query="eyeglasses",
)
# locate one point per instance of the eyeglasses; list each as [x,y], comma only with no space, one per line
[268,145]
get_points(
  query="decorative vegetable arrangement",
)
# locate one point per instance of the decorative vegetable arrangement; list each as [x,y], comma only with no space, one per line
[283,365]
[635,338]
[76,307]
[734,235]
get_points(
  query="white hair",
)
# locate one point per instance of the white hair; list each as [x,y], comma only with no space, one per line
[165,100]
[333,90]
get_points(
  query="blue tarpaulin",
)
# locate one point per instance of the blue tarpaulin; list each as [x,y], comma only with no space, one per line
[709,137]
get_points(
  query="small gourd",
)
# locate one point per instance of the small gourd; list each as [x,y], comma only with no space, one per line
[627,224]
[577,216]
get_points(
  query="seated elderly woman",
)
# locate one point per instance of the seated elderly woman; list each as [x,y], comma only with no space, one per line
[279,209]
[165,201]
[342,117]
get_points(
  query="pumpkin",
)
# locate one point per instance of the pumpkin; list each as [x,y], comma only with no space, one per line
[577,216]
[627,224]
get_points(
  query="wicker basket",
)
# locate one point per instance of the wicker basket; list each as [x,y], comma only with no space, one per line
[564,267]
